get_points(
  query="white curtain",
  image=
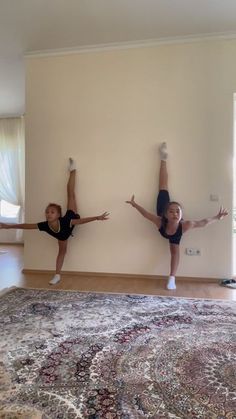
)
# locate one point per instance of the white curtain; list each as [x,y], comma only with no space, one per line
[12,164]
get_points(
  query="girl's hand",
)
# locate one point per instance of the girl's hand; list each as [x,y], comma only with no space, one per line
[103,217]
[131,202]
[222,213]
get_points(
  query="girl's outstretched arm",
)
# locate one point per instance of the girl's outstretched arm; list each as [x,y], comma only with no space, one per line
[152,217]
[19,226]
[187,225]
[101,217]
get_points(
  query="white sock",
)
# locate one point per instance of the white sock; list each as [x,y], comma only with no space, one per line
[55,279]
[72,164]
[171,283]
[163,151]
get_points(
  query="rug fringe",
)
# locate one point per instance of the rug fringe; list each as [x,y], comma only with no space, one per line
[177,297]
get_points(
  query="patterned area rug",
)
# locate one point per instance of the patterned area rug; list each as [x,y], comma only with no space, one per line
[98,356]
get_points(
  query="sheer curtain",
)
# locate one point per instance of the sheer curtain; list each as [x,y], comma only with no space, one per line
[12,164]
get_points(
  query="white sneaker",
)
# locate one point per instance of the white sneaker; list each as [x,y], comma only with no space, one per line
[171,283]
[72,164]
[55,279]
[163,151]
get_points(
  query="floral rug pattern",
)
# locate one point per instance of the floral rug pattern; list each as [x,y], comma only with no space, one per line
[73,355]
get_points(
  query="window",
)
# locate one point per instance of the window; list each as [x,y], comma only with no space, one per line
[8,210]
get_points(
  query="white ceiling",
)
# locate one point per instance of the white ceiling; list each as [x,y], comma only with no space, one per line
[44,25]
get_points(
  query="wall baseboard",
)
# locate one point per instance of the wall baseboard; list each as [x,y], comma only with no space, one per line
[12,243]
[118,275]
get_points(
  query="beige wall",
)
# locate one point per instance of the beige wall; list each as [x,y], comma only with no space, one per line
[109,110]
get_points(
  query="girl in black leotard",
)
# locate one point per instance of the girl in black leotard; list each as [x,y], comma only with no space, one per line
[169,217]
[60,227]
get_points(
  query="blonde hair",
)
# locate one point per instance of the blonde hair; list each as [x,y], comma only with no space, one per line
[58,207]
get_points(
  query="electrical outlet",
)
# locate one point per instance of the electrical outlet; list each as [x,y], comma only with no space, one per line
[214,197]
[191,251]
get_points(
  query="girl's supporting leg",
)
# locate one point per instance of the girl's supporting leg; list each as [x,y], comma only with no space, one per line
[61,255]
[59,262]
[71,199]
[174,251]
[174,263]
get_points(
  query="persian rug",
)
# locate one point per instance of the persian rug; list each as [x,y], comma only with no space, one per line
[99,356]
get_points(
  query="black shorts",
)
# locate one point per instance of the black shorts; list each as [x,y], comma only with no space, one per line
[71,215]
[162,201]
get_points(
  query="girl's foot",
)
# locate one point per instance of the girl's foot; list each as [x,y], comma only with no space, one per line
[171,283]
[163,151]
[230,283]
[72,164]
[55,279]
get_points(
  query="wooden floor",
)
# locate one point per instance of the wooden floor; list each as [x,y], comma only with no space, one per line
[11,264]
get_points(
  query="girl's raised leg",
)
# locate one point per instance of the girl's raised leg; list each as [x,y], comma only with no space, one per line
[163,195]
[71,199]
[163,174]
